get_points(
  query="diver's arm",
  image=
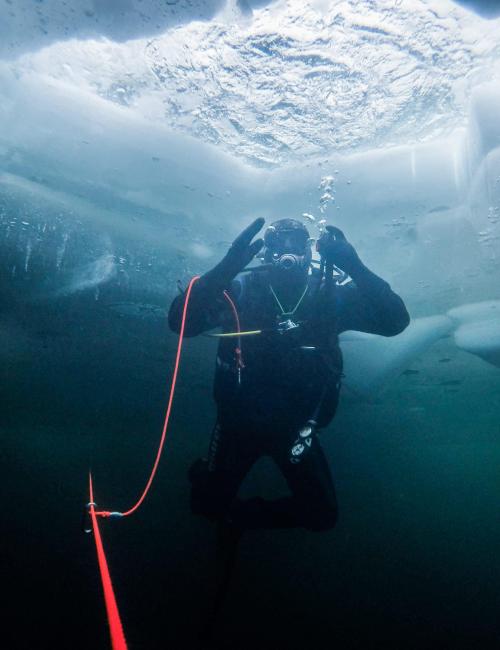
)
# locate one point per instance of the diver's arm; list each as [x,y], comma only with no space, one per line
[205,310]
[207,305]
[371,305]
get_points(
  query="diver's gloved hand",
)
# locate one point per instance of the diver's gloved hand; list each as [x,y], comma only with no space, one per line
[241,252]
[334,247]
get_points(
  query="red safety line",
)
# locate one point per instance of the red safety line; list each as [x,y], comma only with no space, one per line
[235,311]
[115,625]
[107,513]
[170,398]
[239,357]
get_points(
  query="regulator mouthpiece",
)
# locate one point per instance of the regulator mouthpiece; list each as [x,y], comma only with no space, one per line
[289,261]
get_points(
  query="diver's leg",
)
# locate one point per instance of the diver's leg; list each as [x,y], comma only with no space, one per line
[214,485]
[311,505]
[215,480]
[313,501]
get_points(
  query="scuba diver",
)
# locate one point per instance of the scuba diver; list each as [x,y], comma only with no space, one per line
[277,380]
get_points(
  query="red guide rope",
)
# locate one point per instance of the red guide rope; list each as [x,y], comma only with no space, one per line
[107,513]
[239,358]
[115,626]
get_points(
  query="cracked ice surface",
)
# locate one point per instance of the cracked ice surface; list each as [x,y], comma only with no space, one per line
[295,79]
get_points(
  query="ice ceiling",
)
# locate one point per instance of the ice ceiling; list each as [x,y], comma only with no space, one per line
[272,82]
[139,136]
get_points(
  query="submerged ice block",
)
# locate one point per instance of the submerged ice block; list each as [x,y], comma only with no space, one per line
[478,329]
[485,118]
[370,360]
[117,157]
[476,311]
[482,339]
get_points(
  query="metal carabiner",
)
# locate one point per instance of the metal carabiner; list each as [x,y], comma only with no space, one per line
[86,520]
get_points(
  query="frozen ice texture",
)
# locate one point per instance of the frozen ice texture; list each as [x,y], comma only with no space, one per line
[370,361]
[146,140]
[476,311]
[481,338]
[479,329]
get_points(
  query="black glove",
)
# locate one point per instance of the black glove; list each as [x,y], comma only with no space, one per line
[241,253]
[334,247]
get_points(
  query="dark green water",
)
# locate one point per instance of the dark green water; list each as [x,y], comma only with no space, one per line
[102,211]
[414,559]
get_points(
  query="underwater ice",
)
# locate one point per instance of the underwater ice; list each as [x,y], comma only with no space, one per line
[90,275]
[426,217]
[482,339]
[370,361]
[479,329]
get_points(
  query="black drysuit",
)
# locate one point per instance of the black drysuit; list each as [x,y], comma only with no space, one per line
[288,377]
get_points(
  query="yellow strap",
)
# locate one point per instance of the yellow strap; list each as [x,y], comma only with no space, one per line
[233,334]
